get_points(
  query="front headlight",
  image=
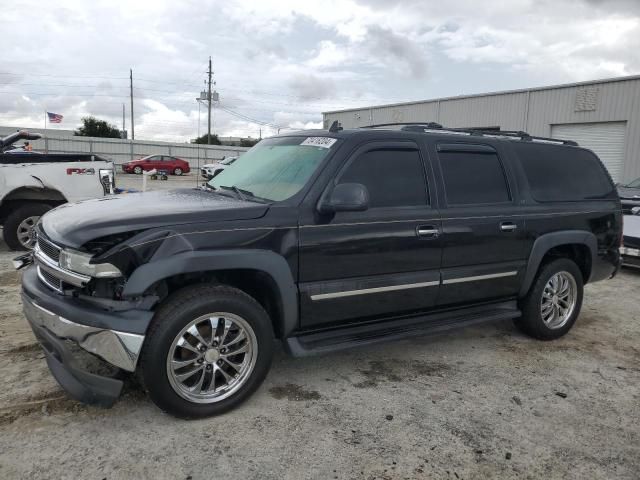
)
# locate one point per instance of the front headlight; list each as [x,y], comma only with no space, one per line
[79,262]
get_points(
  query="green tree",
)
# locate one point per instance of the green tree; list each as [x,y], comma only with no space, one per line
[93,127]
[203,140]
[248,142]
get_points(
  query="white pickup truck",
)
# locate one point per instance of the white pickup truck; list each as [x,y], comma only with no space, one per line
[31,183]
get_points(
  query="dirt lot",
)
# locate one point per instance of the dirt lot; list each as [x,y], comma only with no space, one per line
[480,403]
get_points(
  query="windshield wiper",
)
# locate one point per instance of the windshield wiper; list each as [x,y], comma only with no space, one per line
[244,195]
[240,193]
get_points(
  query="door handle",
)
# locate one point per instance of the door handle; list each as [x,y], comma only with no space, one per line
[508,226]
[427,231]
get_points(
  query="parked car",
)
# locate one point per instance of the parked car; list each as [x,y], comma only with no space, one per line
[313,239]
[629,195]
[630,249]
[173,165]
[32,183]
[210,170]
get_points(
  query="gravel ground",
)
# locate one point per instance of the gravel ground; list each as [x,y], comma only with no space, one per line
[483,402]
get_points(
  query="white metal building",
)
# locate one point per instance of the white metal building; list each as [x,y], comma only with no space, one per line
[603,115]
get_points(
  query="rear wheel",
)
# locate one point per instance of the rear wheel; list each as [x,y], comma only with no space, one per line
[177,171]
[209,348]
[18,230]
[137,170]
[553,303]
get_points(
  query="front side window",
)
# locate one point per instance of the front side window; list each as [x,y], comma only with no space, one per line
[394,177]
[276,168]
[473,178]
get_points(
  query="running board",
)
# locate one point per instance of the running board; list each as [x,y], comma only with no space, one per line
[363,334]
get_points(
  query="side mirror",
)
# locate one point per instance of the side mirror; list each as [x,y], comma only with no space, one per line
[346,197]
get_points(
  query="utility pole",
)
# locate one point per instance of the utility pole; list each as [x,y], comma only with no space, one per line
[209,72]
[133,133]
[123,125]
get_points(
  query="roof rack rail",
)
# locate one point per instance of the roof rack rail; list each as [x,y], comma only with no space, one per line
[437,128]
[430,125]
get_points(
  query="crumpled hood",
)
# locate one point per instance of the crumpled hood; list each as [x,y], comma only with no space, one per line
[632,193]
[74,224]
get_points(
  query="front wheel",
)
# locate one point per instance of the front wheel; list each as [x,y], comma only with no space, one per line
[553,303]
[208,349]
[137,170]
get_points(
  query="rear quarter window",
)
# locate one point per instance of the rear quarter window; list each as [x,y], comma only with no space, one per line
[560,174]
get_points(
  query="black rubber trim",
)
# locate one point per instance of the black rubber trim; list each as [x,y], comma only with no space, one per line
[549,240]
[265,261]
[84,386]
[78,311]
[465,148]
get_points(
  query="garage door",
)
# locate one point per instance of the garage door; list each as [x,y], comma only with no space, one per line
[607,140]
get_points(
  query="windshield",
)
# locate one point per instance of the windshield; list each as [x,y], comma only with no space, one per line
[228,161]
[276,168]
[635,183]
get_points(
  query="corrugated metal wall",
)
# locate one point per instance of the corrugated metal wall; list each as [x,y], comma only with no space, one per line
[535,111]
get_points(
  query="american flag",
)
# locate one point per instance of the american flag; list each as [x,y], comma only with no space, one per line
[55,117]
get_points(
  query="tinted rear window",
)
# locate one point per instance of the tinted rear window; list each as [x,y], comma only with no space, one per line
[473,178]
[559,174]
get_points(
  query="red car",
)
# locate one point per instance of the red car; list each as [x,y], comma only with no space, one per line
[173,165]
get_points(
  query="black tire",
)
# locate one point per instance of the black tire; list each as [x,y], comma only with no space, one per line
[531,321]
[16,217]
[177,171]
[137,170]
[176,313]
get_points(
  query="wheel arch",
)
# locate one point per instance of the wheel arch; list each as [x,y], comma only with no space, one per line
[578,245]
[22,195]
[264,275]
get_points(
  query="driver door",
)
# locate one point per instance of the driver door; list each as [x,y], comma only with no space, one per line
[385,260]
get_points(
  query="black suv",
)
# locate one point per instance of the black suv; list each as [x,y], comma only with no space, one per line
[323,239]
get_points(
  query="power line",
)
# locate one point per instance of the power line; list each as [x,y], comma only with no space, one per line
[187,84]
[62,76]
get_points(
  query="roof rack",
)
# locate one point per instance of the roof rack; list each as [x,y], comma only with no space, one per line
[437,128]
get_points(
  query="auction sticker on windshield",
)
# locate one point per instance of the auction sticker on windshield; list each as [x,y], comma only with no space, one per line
[323,142]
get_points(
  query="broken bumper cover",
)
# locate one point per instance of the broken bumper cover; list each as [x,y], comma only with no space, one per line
[53,330]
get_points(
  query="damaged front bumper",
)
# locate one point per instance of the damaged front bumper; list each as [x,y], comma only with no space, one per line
[114,337]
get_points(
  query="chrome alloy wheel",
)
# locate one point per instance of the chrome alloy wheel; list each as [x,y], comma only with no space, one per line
[212,357]
[26,232]
[559,299]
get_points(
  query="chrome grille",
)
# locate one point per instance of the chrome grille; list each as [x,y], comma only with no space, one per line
[49,249]
[50,280]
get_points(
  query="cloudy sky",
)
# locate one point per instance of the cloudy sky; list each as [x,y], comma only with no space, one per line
[281,63]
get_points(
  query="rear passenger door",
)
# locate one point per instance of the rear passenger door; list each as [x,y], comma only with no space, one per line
[483,237]
[385,260]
